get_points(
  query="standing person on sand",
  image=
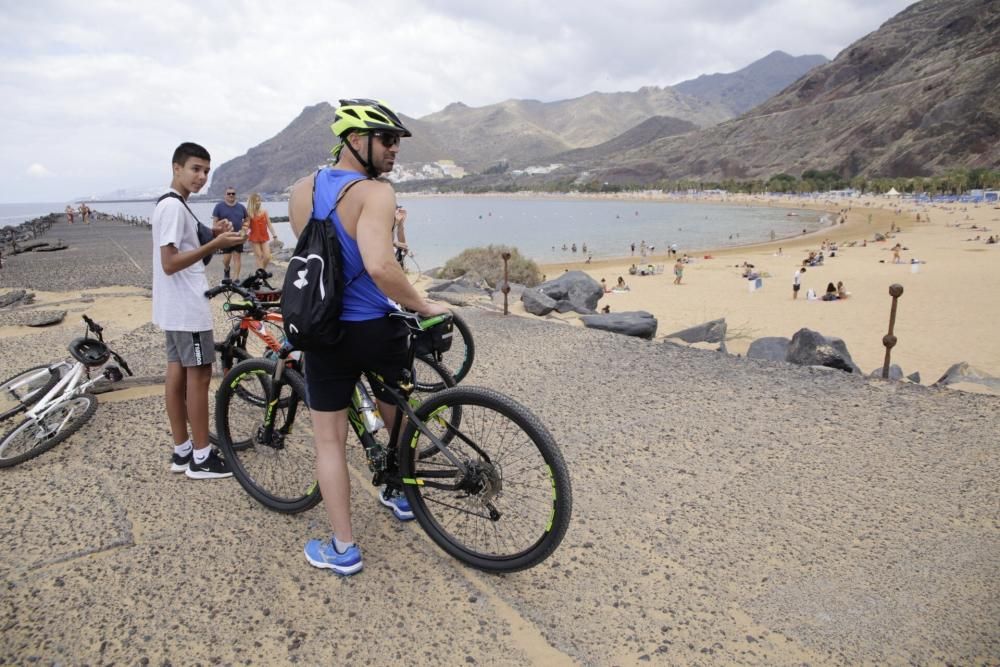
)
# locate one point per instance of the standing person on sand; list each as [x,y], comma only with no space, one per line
[678,272]
[797,282]
[361,211]
[182,311]
[69,214]
[260,223]
[399,232]
[236,214]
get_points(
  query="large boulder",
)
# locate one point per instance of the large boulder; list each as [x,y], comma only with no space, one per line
[811,348]
[576,287]
[637,323]
[962,372]
[537,303]
[709,332]
[773,348]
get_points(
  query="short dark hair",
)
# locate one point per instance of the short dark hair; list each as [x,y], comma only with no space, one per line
[188,150]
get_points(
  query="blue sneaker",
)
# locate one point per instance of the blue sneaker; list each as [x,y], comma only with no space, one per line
[397,502]
[320,553]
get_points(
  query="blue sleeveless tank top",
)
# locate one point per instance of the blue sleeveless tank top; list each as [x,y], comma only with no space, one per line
[363,300]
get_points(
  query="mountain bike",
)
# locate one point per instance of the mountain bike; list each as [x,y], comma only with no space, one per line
[483,476]
[254,318]
[58,402]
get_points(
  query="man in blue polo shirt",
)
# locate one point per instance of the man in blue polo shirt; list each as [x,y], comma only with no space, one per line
[236,214]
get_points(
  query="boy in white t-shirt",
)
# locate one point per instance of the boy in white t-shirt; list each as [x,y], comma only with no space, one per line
[182,311]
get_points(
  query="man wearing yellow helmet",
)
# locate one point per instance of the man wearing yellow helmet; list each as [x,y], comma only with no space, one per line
[362,214]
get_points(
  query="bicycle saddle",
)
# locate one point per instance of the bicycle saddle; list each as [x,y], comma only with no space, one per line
[89,351]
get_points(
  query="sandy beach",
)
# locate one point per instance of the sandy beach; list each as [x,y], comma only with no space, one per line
[947,312]
[721,515]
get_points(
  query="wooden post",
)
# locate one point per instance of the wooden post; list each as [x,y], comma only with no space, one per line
[506,282]
[889,340]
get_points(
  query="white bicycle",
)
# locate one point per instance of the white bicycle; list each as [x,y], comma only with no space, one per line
[55,397]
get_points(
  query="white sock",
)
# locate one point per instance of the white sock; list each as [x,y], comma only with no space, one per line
[341,547]
[201,454]
[184,448]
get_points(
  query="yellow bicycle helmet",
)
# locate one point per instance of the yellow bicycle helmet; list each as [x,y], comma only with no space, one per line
[364,115]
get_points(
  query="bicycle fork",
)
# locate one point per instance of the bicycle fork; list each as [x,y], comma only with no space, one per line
[266,433]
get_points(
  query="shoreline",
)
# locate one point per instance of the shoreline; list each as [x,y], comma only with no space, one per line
[942,315]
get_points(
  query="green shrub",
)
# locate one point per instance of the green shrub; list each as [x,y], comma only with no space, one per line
[487,263]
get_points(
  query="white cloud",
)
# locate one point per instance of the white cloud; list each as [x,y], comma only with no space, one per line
[106,89]
[38,171]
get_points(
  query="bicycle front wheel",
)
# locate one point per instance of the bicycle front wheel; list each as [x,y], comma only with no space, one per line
[34,436]
[276,466]
[510,507]
[25,388]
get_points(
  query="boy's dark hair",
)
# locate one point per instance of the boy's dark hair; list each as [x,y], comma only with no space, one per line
[188,150]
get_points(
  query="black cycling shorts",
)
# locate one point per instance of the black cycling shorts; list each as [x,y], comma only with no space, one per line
[373,346]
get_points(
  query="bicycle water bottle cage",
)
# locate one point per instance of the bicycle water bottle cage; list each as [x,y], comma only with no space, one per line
[89,352]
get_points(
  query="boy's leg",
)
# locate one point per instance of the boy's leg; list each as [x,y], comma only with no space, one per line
[176,391]
[330,439]
[198,379]
[238,261]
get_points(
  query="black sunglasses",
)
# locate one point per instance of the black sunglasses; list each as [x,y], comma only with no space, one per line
[230,194]
[388,139]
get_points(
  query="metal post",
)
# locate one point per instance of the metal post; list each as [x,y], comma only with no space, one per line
[889,340]
[506,282]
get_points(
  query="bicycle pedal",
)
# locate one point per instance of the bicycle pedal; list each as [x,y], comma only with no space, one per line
[113,373]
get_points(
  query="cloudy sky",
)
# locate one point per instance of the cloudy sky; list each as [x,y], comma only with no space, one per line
[97,94]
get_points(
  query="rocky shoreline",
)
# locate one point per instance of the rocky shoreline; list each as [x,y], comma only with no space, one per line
[726,511]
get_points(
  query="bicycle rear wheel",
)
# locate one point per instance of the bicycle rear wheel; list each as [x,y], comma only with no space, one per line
[35,436]
[25,388]
[279,474]
[459,358]
[511,508]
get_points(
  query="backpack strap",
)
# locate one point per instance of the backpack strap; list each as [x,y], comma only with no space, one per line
[329,216]
[203,231]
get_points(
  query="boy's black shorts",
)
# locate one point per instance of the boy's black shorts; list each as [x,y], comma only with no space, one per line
[376,346]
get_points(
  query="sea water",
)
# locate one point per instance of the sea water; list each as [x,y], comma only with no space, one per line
[440,227]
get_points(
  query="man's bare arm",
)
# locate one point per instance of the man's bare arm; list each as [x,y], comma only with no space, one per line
[300,204]
[375,243]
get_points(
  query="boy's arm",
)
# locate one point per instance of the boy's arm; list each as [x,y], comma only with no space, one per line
[173,260]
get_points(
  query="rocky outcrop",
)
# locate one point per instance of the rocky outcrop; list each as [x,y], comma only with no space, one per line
[637,323]
[709,332]
[962,372]
[536,302]
[895,372]
[580,291]
[811,348]
[772,348]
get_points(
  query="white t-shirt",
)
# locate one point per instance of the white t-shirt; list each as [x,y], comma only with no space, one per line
[179,302]
[797,278]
